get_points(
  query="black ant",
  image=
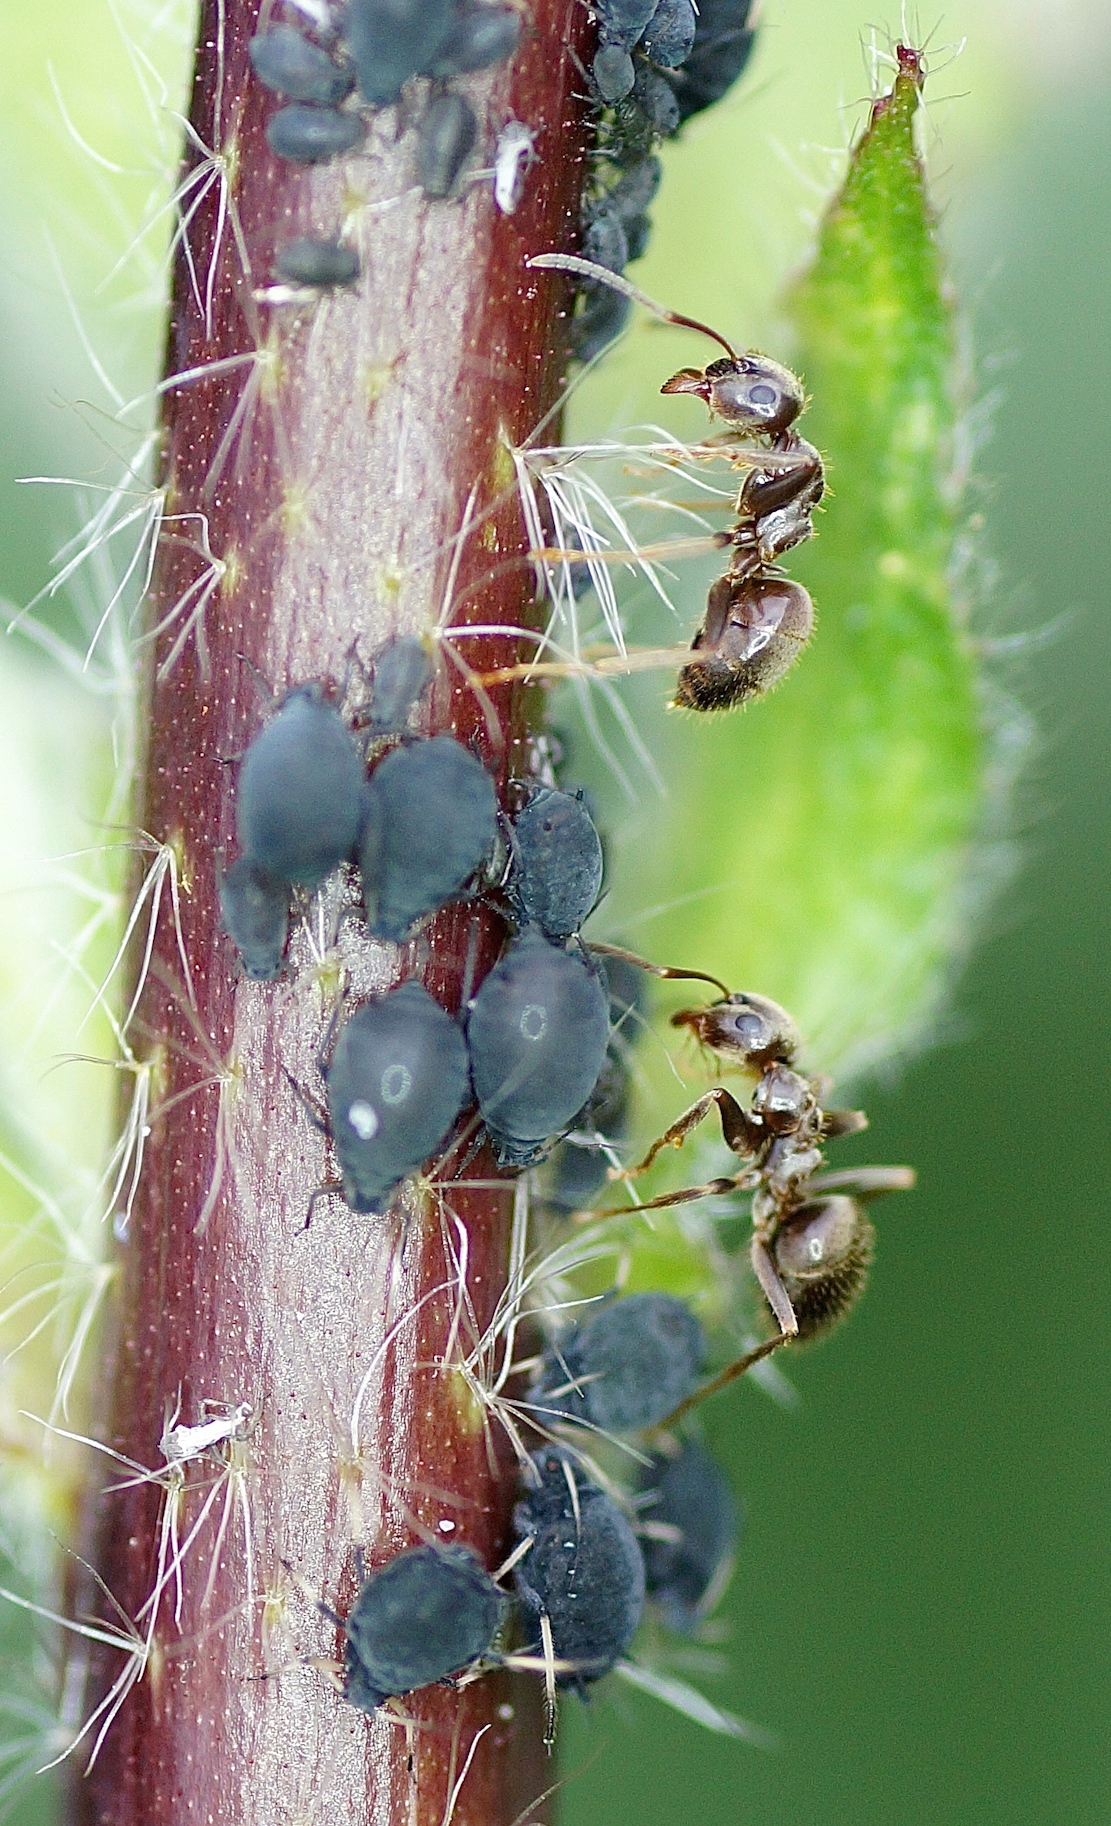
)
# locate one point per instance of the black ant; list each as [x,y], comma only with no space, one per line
[812,1243]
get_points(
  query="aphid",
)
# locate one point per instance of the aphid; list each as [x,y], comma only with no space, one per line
[447,135]
[604,240]
[578,1167]
[626,1367]
[811,1241]
[613,72]
[512,157]
[429,818]
[313,136]
[723,43]
[557,863]
[669,36]
[623,21]
[688,1534]
[255,910]
[322,264]
[402,669]
[396,1083]
[297,797]
[582,1578]
[287,62]
[426,1614]
[600,320]
[392,40]
[537,1034]
[479,37]
[635,189]
[655,98]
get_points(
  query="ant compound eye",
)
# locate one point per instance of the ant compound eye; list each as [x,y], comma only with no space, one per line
[297,796]
[584,1569]
[754,630]
[396,1083]
[290,64]
[429,818]
[305,135]
[532,1078]
[823,1252]
[628,1366]
[688,1530]
[254,906]
[323,264]
[447,134]
[749,1029]
[755,395]
[425,1614]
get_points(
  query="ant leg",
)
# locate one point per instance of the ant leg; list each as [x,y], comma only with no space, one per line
[772,1288]
[864,1182]
[842,1122]
[740,1134]
[642,963]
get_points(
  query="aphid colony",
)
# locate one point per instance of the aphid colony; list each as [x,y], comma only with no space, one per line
[542,1051]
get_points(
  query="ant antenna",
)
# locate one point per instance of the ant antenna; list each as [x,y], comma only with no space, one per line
[601,275]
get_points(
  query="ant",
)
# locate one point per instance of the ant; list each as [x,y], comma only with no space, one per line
[812,1242]
[757,621]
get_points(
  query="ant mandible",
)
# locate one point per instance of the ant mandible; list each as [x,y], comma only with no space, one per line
[812,1242]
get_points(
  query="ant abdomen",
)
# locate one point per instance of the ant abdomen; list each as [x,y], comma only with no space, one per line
[823,1252]
[754,630]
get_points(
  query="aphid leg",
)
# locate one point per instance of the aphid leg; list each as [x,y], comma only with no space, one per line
[328,1188]
[313,1109]
[740,1134]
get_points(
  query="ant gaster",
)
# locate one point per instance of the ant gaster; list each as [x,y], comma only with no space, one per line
[812,1242]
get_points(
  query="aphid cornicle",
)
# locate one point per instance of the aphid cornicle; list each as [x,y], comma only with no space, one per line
[537,1034]
[396,1082]
[688,1533]
[624,1368]
[254,906]
[429,818]
[307,135]
[298,791]
[286,61]
[582,1578]
[428,1613]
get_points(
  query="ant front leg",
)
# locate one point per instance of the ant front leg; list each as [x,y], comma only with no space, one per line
[741,1134]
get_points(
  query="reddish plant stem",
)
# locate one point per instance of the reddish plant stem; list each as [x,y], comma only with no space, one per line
[318,473]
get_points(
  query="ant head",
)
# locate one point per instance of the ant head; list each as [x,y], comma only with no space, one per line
[823,1252]
[746,1030]
[751,393]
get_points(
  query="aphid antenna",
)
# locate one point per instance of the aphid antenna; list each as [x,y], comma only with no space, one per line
[692,1704]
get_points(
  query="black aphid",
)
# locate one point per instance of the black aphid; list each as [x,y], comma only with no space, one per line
[635,189]
[584,1571]
[396,1083]
[297,797]
[402,669]
[578,1168]
[604,240]
[429,818]
[557,872]
[689,1523]
[290,64]
[599,321]
[428,1613]
[668,38]
[447,135]
[313,136]
[723,44]
[537,1035]
[323,264]
[392,40]
[255,909]
[655,97]
[613,73]
[623,21]
[480,36]
[626,1367]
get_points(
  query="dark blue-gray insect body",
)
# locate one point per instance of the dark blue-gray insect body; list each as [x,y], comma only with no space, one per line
[447,134]
[393,40]
[255,909]
[614,73]
[584,1570]
[668,38]
[402,669]
[625,1368]
[537,1034]
[429,818]
[557,863]
[396,1083]
[298,793]
[623,21]
[689,1523]
[723,42]
[426,1614]
[321,264]
[479,37]
[290,64]
[578,1167]
[306,135]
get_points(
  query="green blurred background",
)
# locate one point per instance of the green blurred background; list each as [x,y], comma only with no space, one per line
[920,1604]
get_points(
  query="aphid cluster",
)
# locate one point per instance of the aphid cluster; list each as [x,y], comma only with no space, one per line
[658,62]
